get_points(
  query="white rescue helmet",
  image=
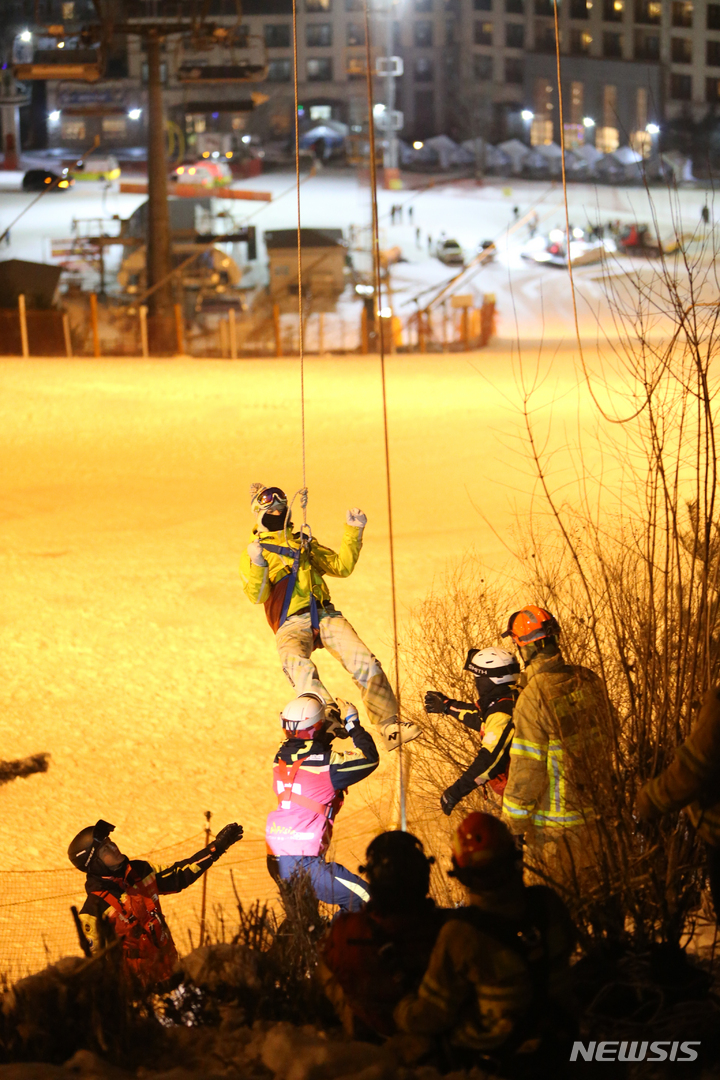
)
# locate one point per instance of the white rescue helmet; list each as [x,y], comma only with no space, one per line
[495,664]
[304,715]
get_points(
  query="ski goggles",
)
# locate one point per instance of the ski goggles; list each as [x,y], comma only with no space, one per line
[269,497]
[101,832]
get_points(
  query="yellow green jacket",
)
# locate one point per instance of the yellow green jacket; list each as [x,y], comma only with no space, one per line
[692,780]
[315,562]
[560,727]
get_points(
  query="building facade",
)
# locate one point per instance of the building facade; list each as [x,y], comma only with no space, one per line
[470,68]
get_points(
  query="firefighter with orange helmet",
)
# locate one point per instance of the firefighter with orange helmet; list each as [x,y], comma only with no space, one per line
[561,732]
[497,988]
[123,897]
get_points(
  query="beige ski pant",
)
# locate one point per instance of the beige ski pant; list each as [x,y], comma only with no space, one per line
[295,646]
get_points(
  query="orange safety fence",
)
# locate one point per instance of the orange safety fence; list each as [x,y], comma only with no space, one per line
[36,925]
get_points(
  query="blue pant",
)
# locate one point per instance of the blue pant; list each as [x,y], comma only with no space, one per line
[331,882]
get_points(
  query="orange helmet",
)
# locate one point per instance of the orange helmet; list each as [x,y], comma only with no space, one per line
[531,624]
[482,841]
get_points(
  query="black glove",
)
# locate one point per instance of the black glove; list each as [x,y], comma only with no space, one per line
[228,835]
[448,801]
[436,702]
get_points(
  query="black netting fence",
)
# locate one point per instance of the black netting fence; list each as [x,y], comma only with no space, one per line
[36,924]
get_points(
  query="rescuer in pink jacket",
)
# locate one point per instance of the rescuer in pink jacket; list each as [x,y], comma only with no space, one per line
[310,779]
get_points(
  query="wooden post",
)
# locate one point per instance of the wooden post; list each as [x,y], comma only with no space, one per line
[179,331]
[94,324]
[143,312]
[421,331]
[277,329]
[465,328]
[444,325]
[321,333]
[22,315]
[232,334]
[203,902]
[223,335]
[66,334]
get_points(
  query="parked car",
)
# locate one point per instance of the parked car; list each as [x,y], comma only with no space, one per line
[40,179]
[450,253]
[97,167]
[208,174]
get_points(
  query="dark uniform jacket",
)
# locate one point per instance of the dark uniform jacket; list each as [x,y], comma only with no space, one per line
[130,902]
[494,722]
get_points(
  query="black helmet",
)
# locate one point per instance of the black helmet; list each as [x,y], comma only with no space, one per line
[397,869]
[84,847]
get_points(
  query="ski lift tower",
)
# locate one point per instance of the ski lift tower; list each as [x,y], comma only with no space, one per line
[154,21]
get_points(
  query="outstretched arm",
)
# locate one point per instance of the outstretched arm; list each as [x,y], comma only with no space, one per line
[175,878]
[467,714]
[350,766]
[343,562]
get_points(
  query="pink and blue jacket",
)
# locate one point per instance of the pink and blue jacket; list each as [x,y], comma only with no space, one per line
[310,779]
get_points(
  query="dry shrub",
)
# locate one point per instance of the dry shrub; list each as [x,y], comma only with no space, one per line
[629,562]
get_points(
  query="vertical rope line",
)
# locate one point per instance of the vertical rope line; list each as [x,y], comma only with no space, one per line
[381,341]
[303,501]
[564,183]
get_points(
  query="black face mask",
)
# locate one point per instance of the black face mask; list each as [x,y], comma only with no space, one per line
[274,522]
[488,691]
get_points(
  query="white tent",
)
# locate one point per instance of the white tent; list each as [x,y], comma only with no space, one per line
[516,151]
[549,150]
[589,153]
[448,152]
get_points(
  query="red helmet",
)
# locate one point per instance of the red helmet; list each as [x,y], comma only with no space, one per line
[531,624]
[482,841]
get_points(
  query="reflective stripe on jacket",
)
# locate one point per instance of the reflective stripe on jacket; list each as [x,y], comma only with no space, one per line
[692,780]
[560,727]
[310,780]
[315,562]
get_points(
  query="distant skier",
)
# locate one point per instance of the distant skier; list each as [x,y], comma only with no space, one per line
[286,573]
[310,781]
[123,897]
[705,214]
[496,672]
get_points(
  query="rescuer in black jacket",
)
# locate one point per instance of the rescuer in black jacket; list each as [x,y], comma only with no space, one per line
[496,672]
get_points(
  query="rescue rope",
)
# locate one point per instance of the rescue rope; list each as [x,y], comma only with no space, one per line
[381,344]
[301,329]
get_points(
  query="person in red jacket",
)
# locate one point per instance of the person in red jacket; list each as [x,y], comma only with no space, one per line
[310,779]
[372,957]
[123,897]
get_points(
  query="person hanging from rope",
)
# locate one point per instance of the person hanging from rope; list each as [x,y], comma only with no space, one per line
[123,897]
[310,779]
[285,571]
[496,672]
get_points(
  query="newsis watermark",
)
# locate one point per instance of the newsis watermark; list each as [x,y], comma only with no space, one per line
[634,1051]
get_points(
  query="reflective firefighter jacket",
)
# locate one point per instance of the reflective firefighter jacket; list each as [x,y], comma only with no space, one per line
[310,779]
[560,730]
[495,725]
[499,972]
[692,780]
[315,562]
[131,905]
[370,960]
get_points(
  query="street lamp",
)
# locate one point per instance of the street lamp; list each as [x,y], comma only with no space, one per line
[652,129]
[134,114]
[26,36]
[527,116]
[588,122]
[54,116]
